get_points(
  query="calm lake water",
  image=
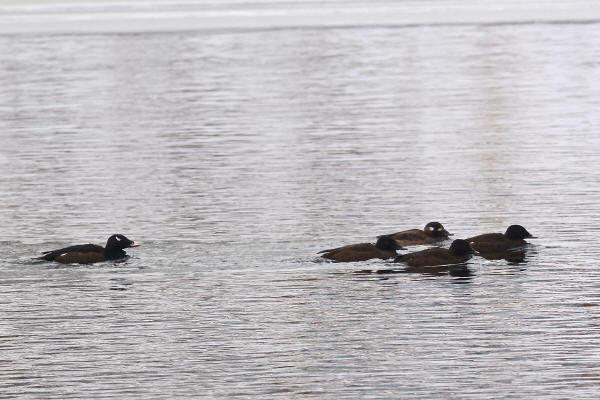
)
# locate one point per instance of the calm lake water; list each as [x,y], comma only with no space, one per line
[234,156]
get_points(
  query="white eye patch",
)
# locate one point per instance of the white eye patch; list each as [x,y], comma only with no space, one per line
[440,229]
[118,238]
[430,228]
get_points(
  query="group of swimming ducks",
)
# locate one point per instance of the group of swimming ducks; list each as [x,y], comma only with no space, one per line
[488,245]
[428,260]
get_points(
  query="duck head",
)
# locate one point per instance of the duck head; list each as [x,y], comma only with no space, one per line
[461,247]
[387,243]
[119,241]
[436,229]
[517,232]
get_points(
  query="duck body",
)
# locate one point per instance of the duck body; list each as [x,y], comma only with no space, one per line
[91,253]
[432,233]
[490,243]
[516,255]
[430,260]
[488,246]
[384,249]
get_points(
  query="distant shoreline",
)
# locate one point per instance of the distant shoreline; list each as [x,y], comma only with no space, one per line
[136,16]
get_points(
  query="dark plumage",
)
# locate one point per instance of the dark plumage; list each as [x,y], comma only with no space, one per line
[497,242]
[91,253]
[512,256]
[384,248]
[432,233]
[430,260]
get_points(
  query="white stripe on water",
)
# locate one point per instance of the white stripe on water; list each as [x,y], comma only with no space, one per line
[164,16]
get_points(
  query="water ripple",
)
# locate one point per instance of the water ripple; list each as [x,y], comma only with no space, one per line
[235,157]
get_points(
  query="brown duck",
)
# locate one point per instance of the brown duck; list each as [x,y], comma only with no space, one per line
[384,248]
[432,233]
[489,243]
[432,260]
[91,253]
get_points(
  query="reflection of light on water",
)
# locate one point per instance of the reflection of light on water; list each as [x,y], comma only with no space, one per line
[133,16]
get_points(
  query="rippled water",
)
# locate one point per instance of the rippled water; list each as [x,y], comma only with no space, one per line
[234,157]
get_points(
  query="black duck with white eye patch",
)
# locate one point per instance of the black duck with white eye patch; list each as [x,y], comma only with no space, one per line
[91,253]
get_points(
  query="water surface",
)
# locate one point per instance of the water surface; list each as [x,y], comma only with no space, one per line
[234,156]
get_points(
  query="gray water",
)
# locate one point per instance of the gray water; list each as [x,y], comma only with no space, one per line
[235,156]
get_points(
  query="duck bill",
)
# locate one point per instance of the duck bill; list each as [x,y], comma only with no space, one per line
[446,233]
[532,237]
[134,245]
